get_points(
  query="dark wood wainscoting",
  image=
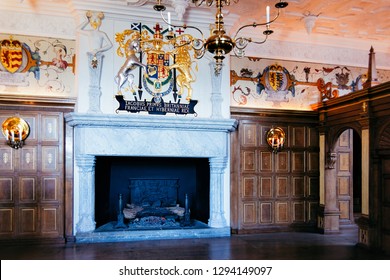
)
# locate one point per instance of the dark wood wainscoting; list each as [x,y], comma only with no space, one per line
[274,191]
[33,178]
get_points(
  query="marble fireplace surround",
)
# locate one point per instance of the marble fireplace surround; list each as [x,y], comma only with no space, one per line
[151,136]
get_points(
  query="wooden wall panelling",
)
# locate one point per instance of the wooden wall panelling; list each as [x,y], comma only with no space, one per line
[282,213]
[298,187]
[364,111]
[266,161]
[312,179]
[28,189]
[235,180]
[298,161]
[312,197]
[7,190]
[51,220]
[263,129]
[7,159]
[275,190]
[282,162]
[249,186]
[282,187]
[28,220]
[249,213]
[33,178]
[312,162]
[249,135]
[52,176]
[249,161]
[312,137]
[266,213]
[298,137]
[7,215]
[266,187]
[298,211]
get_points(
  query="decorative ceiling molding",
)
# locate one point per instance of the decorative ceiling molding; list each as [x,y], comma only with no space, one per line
[32,24]
[180,6]
[133,2]
[335,27]
[309,20]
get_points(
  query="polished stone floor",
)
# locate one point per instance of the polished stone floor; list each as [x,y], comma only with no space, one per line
[265,246]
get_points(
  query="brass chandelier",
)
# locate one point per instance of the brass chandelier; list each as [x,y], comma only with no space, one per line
[219,44]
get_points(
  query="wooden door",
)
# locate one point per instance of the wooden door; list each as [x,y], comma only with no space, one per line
[344,165]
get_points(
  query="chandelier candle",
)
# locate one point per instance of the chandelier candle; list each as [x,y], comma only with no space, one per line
[267,12]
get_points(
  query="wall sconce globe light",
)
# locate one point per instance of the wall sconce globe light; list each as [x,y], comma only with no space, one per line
[219,44]
[275,138]
[15,131]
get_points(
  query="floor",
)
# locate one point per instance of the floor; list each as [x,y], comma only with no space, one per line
[265,246]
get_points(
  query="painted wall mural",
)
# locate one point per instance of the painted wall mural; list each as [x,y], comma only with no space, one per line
[36,65]
[265,83]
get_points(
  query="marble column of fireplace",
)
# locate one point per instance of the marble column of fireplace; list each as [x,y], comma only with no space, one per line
[151,136]
[86,165]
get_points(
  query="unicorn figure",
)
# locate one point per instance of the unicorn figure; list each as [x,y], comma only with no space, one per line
[132,47]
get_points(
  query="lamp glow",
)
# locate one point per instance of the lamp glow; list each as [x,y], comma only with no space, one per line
[15,131]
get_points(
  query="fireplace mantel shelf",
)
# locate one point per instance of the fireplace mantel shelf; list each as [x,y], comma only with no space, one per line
[149,121]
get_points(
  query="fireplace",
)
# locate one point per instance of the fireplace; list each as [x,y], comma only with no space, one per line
[150,182]
[156,138]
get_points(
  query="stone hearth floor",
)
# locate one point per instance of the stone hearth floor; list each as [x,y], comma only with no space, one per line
[111,226]
[108,233]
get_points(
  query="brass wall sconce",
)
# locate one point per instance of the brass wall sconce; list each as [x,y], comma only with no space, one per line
[275,138]
[15,131]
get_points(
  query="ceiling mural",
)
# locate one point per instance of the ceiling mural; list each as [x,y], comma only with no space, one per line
[359,23]
[336,18]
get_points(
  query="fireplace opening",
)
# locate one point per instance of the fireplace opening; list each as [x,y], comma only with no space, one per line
[130,180]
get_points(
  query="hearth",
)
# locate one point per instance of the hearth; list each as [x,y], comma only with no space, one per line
[138,137]
[148,183]
[154,204]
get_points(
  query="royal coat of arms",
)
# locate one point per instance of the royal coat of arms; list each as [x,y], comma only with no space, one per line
[157,64]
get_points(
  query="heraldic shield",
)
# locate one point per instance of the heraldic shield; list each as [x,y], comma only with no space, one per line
[11,55]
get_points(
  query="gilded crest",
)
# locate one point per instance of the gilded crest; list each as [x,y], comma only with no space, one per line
[158,64]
